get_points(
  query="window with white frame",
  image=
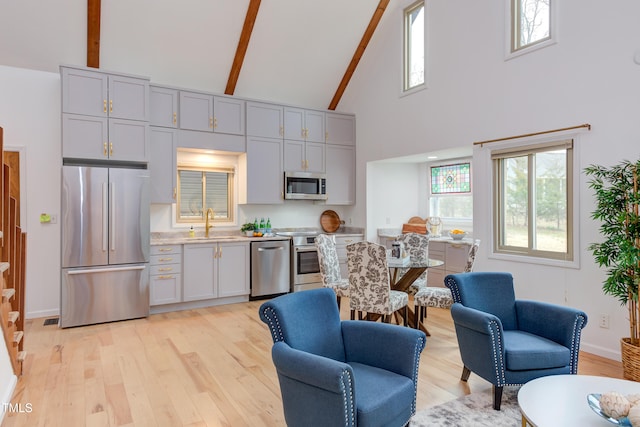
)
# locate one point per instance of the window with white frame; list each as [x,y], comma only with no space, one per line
[201,188]
[413,46]
[533,200]
[530,23]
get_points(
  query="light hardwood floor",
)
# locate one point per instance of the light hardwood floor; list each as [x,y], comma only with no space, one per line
[206,367]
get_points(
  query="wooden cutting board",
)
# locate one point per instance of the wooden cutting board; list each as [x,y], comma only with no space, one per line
[330,221]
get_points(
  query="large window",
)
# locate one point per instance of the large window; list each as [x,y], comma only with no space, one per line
[533,199]
[530,23]
[202,188]
[414,46]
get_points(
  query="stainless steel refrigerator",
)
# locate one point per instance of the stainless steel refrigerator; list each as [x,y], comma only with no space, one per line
[105,244]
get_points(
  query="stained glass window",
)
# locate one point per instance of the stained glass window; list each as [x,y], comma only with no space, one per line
[448,179]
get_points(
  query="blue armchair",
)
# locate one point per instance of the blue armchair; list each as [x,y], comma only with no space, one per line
[341,373]
[508,341]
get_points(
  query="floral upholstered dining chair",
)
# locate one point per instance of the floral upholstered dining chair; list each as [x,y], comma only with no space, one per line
[434,296]
[369,282]
[418,247]
[330,266]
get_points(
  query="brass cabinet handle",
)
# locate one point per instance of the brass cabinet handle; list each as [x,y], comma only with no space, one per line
[111,149]
[215,123]
[104,147]
[219,252]
[210,122]
[281,130]
[165,249]
[326,136]
[175,193]
[104,105]
[166,269]
[111,105]
[165,259]
[165,277]
[175,118]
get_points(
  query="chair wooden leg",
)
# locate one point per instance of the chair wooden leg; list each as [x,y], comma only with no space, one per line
[416,316]
[465,374]
[386,318]
[406,315]
[497,397]
[338,298]
[353,315]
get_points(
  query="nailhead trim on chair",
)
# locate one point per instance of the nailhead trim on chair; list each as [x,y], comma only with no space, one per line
[274,325]
[577,332]
[417,352]
[497,351]
[349,405]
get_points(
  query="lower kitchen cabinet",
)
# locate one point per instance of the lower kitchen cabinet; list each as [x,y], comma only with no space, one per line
[341,248]
[166,274]
[454,256]
[215,270]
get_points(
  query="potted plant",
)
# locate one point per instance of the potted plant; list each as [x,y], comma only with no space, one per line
[616,191]
[247,229]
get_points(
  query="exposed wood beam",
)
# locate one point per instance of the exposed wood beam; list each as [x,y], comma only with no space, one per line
[243,43]
[93,33]
[366,37]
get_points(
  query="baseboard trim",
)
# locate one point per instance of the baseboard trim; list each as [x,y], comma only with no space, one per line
[601,351]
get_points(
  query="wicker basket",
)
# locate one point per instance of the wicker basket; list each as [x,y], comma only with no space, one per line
[630,360]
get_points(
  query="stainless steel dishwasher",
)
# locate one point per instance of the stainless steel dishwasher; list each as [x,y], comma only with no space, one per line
[270,268]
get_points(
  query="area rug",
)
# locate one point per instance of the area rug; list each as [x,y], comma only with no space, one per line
[473,410]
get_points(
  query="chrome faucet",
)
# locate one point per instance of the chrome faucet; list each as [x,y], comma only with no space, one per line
[207,225]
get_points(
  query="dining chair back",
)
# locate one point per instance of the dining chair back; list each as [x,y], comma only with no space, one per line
[330,266]
[369,281]
[417,245]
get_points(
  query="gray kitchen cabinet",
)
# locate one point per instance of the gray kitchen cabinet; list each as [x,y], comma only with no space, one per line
[341,174]
[211,141]
[265,120]
[304,156]
[104,115]
[165,274]
[199,272]
[265,175]
[209,113]
[162,164]
[304,125]
[233,269]
[215,270]
[341,248]
[88,137]
[100,94]
[453,254]
[163,106]
[196,111]
[228,115]
[340,129]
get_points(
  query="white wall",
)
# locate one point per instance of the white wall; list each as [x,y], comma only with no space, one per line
[473,94]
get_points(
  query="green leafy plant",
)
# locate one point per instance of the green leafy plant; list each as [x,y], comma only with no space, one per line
[616,192]
[247,227]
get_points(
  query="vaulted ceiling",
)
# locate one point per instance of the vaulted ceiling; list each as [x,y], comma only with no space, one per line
[300,52]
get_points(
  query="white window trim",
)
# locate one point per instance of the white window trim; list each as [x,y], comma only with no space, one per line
[575,262]
[553,32]
[424,85]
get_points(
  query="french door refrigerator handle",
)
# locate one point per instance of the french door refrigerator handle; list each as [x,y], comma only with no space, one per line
[112,217]
[105,216]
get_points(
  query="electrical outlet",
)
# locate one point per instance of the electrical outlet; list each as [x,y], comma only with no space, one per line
[604,321]
[54,219]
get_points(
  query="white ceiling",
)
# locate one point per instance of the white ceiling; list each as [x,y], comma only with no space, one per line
[298,53]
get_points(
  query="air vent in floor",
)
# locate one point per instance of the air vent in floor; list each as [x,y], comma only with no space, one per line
[52,321]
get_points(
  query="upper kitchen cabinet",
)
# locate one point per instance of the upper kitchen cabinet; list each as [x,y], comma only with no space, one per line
[228,115]
[99,94]
[97,138]
[264,173]
[162,164]
[196,111]
[341,174]
[265,120]
[209,113]
[163,106]
[341,129]
[104,115]
[300,156]
[303,125]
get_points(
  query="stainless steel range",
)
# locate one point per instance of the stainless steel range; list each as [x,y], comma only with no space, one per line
[305,270]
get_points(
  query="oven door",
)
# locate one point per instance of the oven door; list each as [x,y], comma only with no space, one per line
[306,268]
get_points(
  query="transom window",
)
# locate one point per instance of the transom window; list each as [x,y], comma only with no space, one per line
[202,188]
[533,200]
[413,46]
[530,23]
[451,197]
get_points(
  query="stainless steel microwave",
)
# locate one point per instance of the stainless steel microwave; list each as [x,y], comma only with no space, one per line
[305,186]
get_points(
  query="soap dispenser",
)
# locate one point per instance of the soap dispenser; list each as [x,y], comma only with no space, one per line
[192,232]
